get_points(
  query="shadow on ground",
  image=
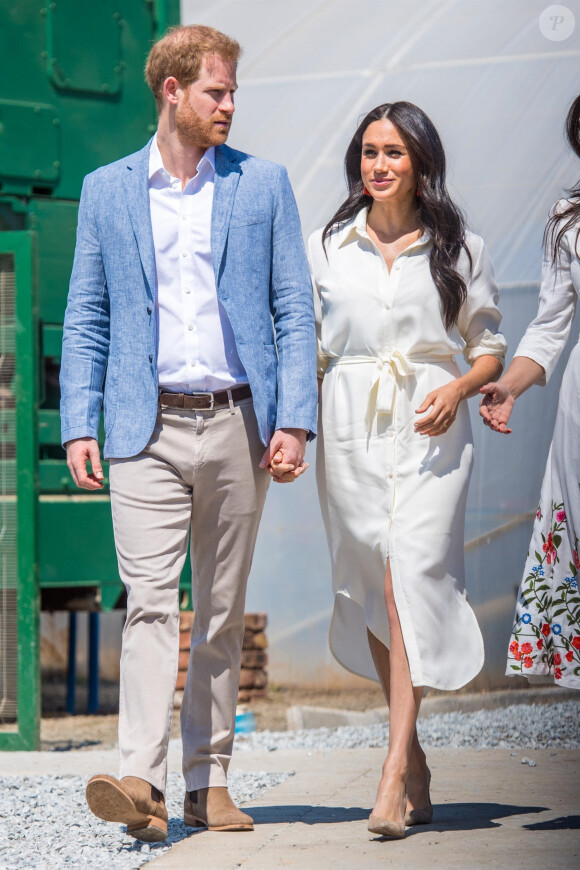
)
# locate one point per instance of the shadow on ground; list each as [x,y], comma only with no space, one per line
[447,817]
[564,823]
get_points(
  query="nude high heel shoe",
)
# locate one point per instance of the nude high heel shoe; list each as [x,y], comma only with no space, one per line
[387,827]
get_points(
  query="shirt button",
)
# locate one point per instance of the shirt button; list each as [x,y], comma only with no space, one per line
[390,476]
[193,362]
[387,305]
[184,253]
[188,289]
[190,326]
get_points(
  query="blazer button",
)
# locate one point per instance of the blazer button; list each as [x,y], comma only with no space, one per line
[148,311]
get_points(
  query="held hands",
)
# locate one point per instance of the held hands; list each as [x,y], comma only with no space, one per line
[284,457]
[444,402]
[78,453]
[496,406]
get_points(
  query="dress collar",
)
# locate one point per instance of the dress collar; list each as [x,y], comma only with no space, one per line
[357,227]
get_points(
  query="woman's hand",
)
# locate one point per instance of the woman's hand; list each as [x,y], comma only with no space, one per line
[496,406]
[444,402]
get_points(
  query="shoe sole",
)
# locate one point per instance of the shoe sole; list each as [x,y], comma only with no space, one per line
[386,828]
[196,822]
[109,802]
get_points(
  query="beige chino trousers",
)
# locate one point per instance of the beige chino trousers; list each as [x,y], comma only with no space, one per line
[199,475]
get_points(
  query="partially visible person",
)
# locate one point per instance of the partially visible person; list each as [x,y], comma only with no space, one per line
[400,288]
[545,638]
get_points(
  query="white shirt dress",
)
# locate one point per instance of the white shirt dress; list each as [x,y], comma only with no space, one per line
[387,492]
[546,635]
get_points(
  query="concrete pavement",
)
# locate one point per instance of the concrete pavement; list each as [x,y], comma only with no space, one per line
[490,811]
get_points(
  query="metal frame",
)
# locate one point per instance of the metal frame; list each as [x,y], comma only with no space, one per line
[27,734]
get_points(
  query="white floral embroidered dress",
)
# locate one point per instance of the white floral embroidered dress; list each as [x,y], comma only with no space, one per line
[387,492]
[546,633]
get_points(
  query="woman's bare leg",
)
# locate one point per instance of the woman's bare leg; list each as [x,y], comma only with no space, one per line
[419,773]
[404,702]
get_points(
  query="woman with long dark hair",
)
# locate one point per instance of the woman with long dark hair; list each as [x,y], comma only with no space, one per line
[400,287]
[546,633]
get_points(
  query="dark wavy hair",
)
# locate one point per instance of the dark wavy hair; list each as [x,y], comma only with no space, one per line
[560,222]
[436,211]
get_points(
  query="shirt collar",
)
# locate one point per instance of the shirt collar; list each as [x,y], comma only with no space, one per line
[207,162]
[357,227]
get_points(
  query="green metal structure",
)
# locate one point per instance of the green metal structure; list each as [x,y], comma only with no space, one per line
[72,97]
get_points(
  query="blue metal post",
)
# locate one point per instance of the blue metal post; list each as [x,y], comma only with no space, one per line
[71,673]
[93,665]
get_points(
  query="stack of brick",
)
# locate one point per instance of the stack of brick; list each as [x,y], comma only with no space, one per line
[253,676]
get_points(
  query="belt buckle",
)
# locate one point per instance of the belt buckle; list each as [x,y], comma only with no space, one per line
[205,395]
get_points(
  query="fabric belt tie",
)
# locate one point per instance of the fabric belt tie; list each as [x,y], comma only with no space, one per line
[387,370]
[204,401]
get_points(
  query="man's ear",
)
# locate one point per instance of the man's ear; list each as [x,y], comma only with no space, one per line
[170,90]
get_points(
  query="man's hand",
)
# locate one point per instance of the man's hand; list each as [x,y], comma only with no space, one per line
[284,457]
[79,451]
[496,406]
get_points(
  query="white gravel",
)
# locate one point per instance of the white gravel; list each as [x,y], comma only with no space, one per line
[45,822]
[534,726]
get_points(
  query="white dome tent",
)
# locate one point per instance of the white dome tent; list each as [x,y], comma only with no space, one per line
[496,77]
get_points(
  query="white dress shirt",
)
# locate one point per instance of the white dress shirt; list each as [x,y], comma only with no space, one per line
[196,348]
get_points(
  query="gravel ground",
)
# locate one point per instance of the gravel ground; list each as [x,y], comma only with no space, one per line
[534,726]
[44,822]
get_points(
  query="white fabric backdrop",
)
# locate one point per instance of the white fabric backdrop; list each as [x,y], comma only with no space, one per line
[498,88]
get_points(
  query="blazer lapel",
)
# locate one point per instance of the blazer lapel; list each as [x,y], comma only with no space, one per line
[227,176]
[136,182]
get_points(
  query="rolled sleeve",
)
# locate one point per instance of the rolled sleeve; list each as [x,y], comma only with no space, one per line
[479,318]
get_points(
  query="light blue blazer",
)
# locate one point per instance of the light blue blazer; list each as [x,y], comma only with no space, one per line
[109,351]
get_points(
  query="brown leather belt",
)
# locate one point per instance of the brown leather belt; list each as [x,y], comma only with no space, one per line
[204,401]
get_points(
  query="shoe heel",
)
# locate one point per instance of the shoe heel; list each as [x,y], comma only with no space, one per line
[149,829]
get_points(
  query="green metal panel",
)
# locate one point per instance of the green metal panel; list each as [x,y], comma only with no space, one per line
[19,599]
[29,139]
[82,63]
[55,223]
[73,64]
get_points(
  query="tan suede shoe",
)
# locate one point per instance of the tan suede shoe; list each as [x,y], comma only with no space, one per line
[214,809]
[131,801]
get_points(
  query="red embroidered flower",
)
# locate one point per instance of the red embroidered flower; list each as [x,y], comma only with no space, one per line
[528,662]
[517,656]
[549,549]
[558,673]
[514,646]
[576,558]
[526,648]
[569,655]
[576,642]
[538,514]
[561,516]
[540,643]
[545,629]
[557,659]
